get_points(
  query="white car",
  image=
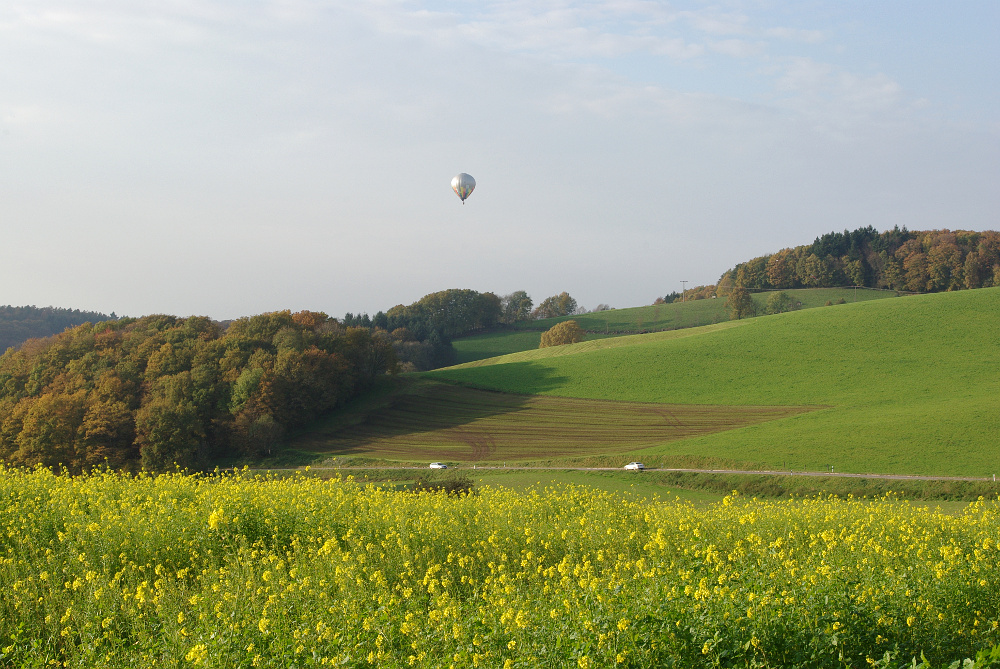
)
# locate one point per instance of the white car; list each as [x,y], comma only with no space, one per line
[635,466]
[438,465]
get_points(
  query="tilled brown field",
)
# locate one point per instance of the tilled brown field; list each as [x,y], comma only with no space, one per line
[447,422]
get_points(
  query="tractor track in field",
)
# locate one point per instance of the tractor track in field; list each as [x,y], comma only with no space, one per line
[447,422]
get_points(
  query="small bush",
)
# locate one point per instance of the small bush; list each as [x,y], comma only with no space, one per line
[453,485]
[567,332]
[779,302]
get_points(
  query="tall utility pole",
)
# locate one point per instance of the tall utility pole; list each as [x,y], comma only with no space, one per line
[682,290]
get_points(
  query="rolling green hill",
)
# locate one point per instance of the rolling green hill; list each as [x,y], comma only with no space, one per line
[654,318]
[907,385]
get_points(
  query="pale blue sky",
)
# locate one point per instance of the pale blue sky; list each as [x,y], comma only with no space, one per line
[229,158]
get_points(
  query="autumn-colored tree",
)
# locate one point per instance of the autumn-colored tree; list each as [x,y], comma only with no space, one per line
[973,270]
[814,271]
[724,285]
[107,435]
[161,390]
[741,304]
[566,332]
[310,319]
[898,258]
[753,273]
[892,272]
[855,271]
[989,249]
[780,269]
[18,324]
[945,267]
[915,275]
[49,430]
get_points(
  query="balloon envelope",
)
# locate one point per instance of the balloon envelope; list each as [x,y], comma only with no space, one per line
[463,184]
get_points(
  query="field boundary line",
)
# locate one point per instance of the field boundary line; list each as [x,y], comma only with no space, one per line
[748,472]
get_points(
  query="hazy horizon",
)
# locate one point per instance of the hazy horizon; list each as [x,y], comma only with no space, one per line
[226,159]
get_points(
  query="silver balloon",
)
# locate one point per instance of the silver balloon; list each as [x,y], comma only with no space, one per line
[463,184]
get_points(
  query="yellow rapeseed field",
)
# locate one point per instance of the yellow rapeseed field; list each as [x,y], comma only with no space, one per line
[235,570]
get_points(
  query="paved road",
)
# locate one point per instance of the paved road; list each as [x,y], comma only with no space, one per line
[898,477]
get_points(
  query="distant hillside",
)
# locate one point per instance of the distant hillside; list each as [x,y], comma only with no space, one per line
[422,331]
[921,262]
[653,318]
[18,324]
[906,385]
[160,390]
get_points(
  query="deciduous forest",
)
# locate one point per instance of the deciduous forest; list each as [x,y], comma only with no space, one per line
[898,259]
[18,324]
[422,332]
[159,390]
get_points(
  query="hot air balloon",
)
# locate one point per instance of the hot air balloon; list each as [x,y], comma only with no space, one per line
[463,184]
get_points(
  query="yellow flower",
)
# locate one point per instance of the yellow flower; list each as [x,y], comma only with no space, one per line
[197,654]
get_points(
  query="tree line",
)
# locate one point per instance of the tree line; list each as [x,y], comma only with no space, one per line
[897,259]
[421,333]
[159,390]
[19,324]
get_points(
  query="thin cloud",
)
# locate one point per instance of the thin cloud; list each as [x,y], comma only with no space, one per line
[716,23]
[797,35]
[816,82]
[738,48]
[317,138]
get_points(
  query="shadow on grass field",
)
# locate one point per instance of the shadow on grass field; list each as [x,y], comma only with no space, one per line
[425,420]
[911,383]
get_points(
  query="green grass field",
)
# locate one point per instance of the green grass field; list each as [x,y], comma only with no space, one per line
[624,483]
[655,318]
[910,385]
[905,386]
[696,312]
[652,486]
[492,344]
